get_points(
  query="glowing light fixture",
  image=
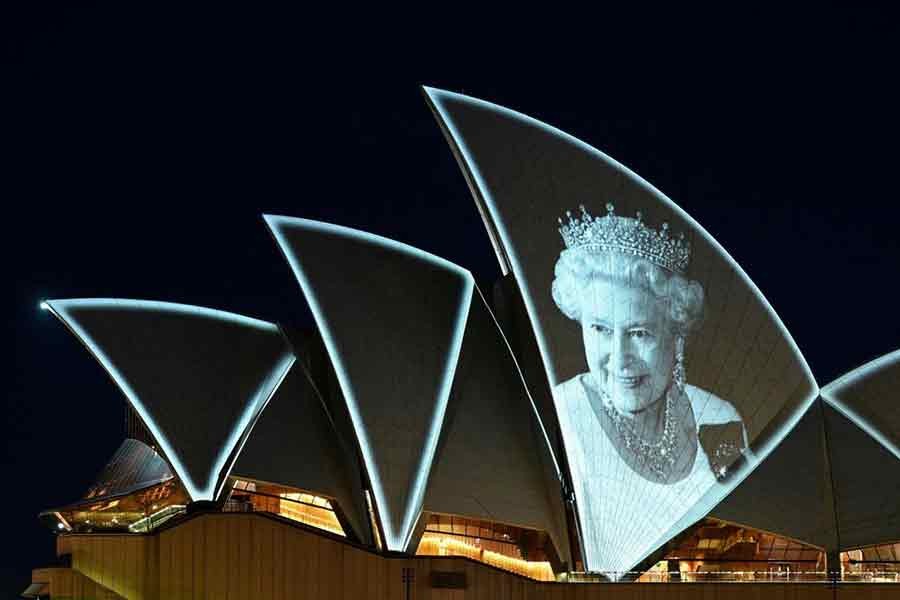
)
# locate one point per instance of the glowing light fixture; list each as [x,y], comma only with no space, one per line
[62,524]
[395,538]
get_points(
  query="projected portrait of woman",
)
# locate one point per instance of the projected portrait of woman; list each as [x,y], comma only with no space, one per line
[643,444]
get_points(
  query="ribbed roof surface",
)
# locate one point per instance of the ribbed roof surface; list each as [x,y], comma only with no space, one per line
[133,467]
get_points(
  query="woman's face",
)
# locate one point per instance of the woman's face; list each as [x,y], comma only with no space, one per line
[628,343]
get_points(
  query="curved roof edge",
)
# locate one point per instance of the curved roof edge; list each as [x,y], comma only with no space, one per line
[225,459]
[134,465]
[395,540]
[434,95]
[534,409]
[503,245]
[830,393]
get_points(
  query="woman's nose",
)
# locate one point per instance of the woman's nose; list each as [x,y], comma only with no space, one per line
[622,354]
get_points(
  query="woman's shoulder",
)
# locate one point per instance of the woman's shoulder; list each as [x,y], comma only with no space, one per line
[710,409]
[570,389]
[570,386]
[570,394]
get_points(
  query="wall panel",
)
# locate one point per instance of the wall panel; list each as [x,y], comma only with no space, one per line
[68,584]
[250,556]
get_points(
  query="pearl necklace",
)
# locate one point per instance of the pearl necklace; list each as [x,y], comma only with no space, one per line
[658,456]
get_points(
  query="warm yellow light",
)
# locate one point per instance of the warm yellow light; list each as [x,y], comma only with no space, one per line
[311,510]
[442,545]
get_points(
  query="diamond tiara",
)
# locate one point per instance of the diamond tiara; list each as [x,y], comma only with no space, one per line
[611,233]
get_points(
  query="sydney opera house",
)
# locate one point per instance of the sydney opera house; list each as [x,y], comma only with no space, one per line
[621,414]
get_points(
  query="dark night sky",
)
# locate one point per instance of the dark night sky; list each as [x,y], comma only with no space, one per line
[142,145]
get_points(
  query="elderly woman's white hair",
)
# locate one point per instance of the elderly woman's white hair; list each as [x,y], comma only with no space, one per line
[578,267]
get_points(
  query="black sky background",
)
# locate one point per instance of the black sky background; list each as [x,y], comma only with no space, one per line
[142,144]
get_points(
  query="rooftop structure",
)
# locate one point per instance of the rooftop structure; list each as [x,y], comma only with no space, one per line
[621,407]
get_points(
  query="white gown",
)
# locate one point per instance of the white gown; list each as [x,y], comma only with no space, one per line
[623,515]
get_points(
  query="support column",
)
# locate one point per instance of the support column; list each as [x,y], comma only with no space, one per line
[833,565]
[674,569]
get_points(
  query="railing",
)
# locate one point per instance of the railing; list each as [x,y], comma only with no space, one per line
[152,521]
[872,576]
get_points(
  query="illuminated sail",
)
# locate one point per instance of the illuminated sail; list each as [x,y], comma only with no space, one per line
[392,318]
[197,377]
[671,375]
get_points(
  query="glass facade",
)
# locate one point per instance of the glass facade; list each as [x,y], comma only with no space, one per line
[718,551]
[290,503]
[137,512]
[873,563]
[515,549]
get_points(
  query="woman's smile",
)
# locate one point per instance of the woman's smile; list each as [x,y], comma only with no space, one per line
[630,382]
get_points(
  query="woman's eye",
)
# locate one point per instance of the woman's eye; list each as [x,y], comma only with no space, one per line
[602,329]
[639,333]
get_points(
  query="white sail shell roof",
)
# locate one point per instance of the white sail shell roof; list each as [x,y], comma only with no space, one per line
[197,377]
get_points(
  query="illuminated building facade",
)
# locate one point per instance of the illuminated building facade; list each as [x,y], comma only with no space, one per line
[624,407]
